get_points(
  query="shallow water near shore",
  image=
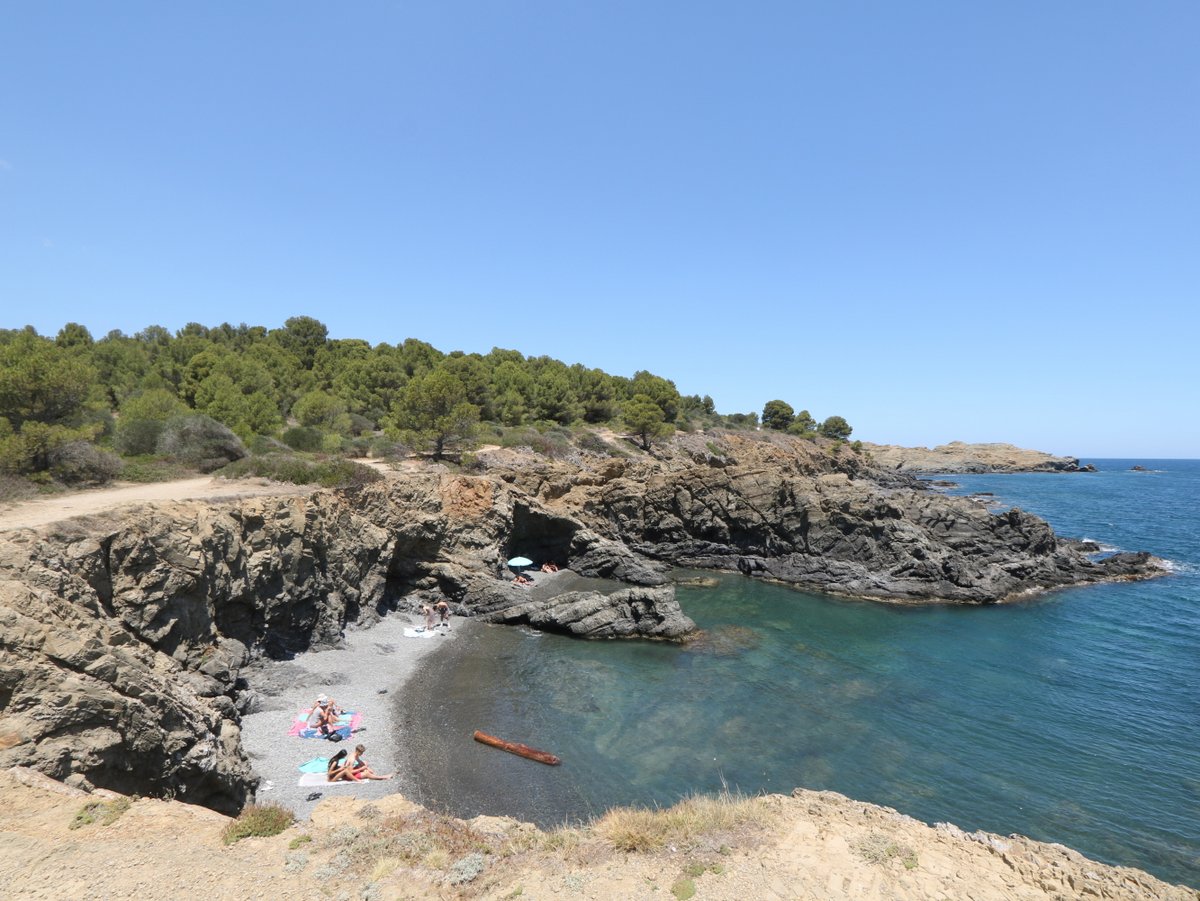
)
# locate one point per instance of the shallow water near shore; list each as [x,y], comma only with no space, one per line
[1074,718]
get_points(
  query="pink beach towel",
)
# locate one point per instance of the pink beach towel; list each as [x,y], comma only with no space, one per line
[347,723]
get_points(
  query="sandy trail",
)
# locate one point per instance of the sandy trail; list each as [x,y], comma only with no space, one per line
[45,510]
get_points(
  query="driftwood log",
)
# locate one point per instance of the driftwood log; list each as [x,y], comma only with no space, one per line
[518,749]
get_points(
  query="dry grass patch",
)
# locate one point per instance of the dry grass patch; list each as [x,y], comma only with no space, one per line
[878,848]
[424,839]
[258,820]
[701,819]
[103,812]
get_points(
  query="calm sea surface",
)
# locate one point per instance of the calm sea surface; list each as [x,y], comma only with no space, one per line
[1074,718]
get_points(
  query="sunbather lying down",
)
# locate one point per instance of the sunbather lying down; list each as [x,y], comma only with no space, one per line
[351,767]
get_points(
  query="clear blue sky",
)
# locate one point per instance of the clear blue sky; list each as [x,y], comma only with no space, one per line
[940,220]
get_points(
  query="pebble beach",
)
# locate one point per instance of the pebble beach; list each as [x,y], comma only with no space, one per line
[364,675]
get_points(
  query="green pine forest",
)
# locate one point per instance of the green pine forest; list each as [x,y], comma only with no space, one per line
[293,404]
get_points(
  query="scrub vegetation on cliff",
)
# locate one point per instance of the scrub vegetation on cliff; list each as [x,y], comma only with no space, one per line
[76,410]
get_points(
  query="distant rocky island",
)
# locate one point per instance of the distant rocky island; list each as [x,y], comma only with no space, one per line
[959,457]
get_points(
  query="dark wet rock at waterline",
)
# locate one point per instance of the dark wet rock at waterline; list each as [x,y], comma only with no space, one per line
[634,612]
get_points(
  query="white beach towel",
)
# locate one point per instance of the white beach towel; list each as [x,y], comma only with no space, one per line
[319,779]
[423,632]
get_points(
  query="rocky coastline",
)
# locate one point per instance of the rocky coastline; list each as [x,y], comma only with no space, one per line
[123,637]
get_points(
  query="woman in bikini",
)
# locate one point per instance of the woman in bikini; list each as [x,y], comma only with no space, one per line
[337,770]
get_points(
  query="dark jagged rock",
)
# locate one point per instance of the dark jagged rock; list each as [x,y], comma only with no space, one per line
[633,612]
[610,560]
[784,513]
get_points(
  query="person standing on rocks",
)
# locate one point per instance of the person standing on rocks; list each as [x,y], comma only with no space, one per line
[428,611]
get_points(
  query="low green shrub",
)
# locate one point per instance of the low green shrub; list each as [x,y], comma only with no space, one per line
[103,812]
[82,463]
[304,438]
[259,821]
[265,444]
[328,473]
[138,436]
[469,462]
[150,468]
[551,441]
[683,888]
[389,449]
[14,488]
[594,444]
[355,447]
[201,442]
[466,869]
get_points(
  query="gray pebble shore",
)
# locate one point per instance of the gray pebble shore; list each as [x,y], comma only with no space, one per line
[364,675]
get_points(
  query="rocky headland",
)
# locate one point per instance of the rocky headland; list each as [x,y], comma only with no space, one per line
[958,456]
[124,635]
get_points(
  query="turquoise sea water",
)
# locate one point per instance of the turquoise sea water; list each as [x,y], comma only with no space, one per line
[1073,718]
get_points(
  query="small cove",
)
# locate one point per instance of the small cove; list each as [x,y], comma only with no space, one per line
[1072,718]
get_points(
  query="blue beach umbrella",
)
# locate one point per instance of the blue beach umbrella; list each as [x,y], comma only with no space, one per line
[520,561]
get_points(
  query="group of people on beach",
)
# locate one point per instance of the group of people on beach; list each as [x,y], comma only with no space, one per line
[441,609]
[344,766]
[350,766]
[548,567]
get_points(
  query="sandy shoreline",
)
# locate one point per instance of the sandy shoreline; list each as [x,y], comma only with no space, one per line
[366,674]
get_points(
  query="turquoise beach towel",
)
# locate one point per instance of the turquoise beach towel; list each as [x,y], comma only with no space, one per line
[316,765]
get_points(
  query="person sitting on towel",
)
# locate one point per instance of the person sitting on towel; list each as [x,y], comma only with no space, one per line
[359,768]
[338,770]
[324,716]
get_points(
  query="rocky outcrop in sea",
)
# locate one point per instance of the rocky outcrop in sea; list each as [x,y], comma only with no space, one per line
[959,457]
[123,636]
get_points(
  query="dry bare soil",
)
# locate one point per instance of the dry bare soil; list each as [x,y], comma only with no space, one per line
[42,511]
[812,845]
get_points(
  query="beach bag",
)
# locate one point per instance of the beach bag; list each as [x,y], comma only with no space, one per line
[335,736]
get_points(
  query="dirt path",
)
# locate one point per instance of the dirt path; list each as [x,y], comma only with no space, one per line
[45,510]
